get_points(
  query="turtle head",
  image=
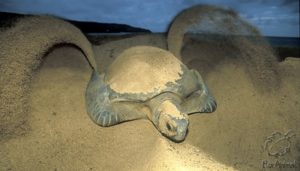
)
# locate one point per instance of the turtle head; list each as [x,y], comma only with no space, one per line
[171,122]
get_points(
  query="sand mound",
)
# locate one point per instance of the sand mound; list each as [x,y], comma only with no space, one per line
[224,29]
[168,156]
[21,50]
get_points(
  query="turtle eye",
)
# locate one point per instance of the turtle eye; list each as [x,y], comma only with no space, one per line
[170,127]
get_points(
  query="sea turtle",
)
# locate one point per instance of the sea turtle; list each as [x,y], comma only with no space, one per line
[148,82]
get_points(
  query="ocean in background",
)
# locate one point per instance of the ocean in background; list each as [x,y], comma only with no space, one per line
[274,41]
[284,41]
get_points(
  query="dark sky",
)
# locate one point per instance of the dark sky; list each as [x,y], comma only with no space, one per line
[272,17]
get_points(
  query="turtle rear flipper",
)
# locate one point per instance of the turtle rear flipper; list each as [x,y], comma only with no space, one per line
[200,101]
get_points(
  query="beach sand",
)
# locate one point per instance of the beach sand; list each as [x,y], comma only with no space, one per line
[63,137]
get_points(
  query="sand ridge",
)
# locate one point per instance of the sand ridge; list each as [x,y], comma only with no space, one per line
[227,27]
[205,19]
[21,52]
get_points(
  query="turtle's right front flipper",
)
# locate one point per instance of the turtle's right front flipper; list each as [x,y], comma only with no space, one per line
[98,105]
[200,101]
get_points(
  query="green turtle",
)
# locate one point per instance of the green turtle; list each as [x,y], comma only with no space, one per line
[148,82]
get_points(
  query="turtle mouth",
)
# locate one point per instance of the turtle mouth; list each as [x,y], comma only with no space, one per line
[178,138]
[176,130]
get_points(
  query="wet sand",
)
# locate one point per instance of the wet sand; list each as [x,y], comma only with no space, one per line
[63,137]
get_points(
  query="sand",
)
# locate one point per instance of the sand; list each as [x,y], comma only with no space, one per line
[60,135]
[226,29]
[206,19]
[21,50]
[63,137]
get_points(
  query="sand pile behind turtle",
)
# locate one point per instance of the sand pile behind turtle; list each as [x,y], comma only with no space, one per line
[226,32]
[20,56]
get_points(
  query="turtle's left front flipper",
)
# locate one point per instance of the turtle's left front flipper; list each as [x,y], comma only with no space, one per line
[98,104]
[102,110]
[200,101]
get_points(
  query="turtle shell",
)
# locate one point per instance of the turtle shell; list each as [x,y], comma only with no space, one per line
[142,72]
